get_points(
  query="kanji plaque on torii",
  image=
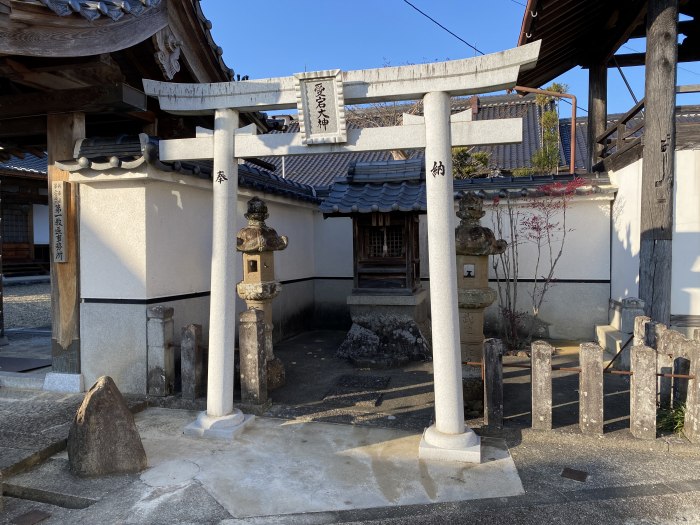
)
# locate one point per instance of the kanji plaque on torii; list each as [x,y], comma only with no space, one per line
[320,106]
[437,131]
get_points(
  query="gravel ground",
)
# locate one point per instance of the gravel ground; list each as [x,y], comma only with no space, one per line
[27,305]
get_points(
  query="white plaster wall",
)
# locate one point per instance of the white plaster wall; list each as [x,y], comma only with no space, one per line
[113,240]
[334,271]
[586,248]
[685,296]
[586,257]
[178,239]
[333,246]
[40,220]
[685,293]
[297,223]
[330,303]
[194,310]
[292,309]
[624,269]
[571,310]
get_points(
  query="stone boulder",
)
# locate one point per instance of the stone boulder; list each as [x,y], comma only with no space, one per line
[383,341]
[103,438]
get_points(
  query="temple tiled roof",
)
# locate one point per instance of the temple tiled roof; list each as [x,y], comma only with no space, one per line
[93,9]
[117,9]
[684,115]
[323,170]
[29,164]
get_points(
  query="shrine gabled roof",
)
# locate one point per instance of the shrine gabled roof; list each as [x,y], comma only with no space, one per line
[128,152]
[385,186]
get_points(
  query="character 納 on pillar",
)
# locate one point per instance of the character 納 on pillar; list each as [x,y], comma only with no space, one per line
[474,243]
[258,241]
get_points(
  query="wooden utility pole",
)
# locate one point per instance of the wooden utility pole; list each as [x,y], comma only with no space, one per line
[597,109]
[659,159]
[63,130]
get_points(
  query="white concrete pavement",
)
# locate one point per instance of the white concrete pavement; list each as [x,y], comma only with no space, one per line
[279,467]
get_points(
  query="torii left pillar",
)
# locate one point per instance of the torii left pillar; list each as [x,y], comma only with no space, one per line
[221,420]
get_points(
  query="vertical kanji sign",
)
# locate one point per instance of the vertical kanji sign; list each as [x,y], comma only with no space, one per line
[59,192]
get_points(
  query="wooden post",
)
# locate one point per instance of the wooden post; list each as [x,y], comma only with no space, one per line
[659,159]
[597,109]
[63,130]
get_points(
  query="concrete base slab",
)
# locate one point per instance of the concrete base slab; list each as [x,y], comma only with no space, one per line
[21,381]
[58,382]
[314,467]
[436,446]
[225,427]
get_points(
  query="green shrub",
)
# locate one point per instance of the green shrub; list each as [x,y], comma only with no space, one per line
[671,419]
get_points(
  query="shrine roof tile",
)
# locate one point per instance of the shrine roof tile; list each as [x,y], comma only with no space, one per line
[346,198]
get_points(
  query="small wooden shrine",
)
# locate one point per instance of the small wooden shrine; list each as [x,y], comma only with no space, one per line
[385,200]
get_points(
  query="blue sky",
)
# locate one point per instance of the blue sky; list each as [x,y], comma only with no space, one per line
[271,38]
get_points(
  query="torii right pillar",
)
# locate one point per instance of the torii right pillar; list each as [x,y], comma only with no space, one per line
[449,439]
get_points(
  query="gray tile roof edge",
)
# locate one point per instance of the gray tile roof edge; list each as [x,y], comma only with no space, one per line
[489,188]
[146,150]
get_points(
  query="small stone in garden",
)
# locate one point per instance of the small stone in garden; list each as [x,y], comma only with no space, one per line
[103,438]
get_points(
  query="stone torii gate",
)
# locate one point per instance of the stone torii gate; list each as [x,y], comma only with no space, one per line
[320,99]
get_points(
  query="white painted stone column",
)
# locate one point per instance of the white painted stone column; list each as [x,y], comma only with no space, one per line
[221,420]
[448,439]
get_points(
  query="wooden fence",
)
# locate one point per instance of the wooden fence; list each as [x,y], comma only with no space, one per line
[665,367]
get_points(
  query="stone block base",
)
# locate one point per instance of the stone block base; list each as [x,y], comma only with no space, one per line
[436,446]
[257,410]
[472,391]
[69,383]
[224,427]
[275,373]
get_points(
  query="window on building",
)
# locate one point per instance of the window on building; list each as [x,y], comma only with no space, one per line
[15,224]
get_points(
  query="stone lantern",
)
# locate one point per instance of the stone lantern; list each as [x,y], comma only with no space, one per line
[474,243]
[258,241]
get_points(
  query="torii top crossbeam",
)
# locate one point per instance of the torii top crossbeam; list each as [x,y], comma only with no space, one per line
[468,76]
